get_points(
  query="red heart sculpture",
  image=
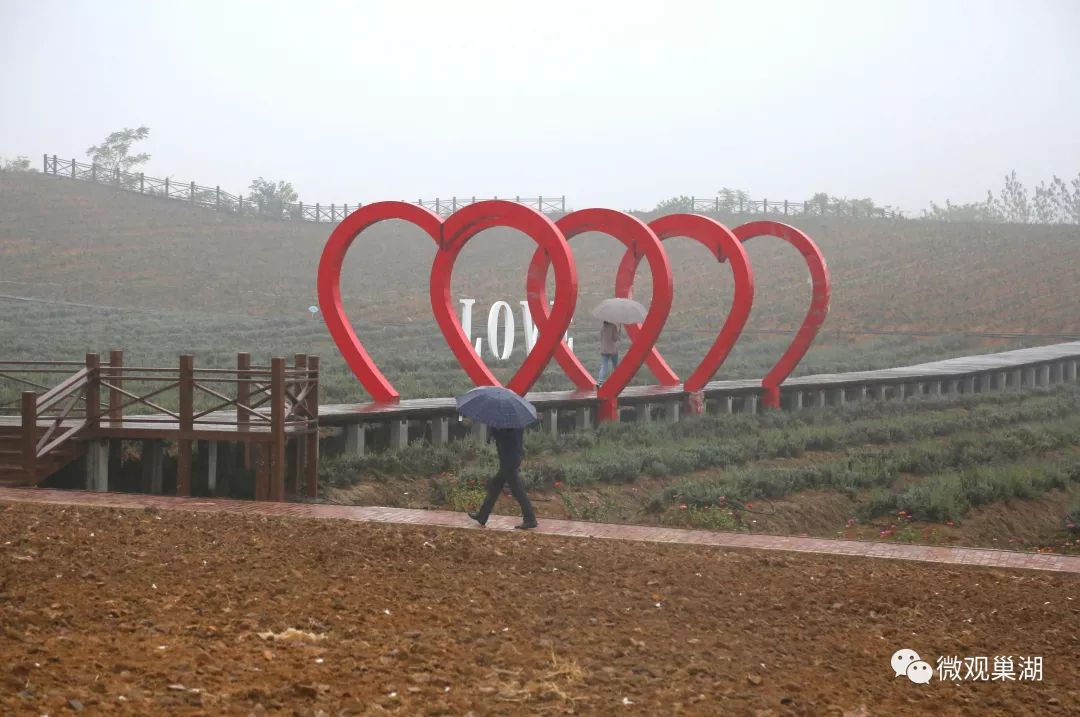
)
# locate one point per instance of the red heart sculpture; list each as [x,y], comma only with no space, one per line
[815,315]
[639,239]
[449,236]
[467,223]
[329,286]
[724,245]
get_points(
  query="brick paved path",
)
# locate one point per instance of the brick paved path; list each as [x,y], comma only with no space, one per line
[823,546]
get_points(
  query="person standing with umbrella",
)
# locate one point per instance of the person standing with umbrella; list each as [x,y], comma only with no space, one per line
[609,349]
[614,312]
[507,414]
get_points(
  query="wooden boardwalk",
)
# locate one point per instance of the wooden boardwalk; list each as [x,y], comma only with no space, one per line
[956,369]
[267,409]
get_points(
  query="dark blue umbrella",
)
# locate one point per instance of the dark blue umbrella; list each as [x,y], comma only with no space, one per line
[497,407]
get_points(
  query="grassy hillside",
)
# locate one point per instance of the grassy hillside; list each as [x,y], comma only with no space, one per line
[168,278]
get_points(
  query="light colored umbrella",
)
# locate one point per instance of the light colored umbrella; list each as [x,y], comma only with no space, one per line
[497,407]
[620,311]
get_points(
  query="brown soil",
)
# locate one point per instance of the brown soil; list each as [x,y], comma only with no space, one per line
[141,612]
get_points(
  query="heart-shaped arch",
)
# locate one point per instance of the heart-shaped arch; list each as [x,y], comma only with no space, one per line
[458,229]
[329,287]
[640,240]
[819,302]
[450,236]
[723,245]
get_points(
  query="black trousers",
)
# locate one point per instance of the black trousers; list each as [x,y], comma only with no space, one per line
[517,489]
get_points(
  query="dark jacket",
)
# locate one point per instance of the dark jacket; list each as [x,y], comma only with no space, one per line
[510,443]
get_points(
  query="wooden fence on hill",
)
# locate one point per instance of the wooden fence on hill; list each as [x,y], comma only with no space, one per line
[255,206]
[219,200]
[721,205]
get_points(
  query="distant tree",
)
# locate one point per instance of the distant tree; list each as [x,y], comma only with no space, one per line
[114,152]
[860,207]
[820,201]
[1013,203]
[273,198]
[19,164]
[675,205]
[732,199]
[1046,209]
[1072,203]
[974,212]
[1055,204]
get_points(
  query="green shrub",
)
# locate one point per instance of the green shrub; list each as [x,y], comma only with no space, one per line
[461,493]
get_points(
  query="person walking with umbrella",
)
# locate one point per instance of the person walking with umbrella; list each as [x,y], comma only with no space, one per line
[614,312]
[507,414]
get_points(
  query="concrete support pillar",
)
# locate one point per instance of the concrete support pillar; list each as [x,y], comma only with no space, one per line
[969,384]
[836,396]
[440,431]
[1057,372]
[97,465]
[583,418]
[1070,371]
[935,388]
[727,404]
[862,393]
[355,439]
[671,411]
[796,400]
[399,434]
[1028,380]
[879,392]
[116,459]
[549,419]
[916,389]
[152,467]
[643,412]
[1043,376]
[999,380]
[479,431]
[750,404]
[211,466]
[986,383]
[1017,378]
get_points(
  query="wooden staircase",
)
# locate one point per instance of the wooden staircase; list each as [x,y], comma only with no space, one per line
[43,438]
[12,471]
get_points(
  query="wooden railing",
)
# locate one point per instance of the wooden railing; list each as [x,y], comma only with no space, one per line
[253,205]
[261,407]
[446,207]
[16,375]
[788,208]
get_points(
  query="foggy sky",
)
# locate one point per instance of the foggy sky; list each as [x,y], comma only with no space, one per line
[616,103]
